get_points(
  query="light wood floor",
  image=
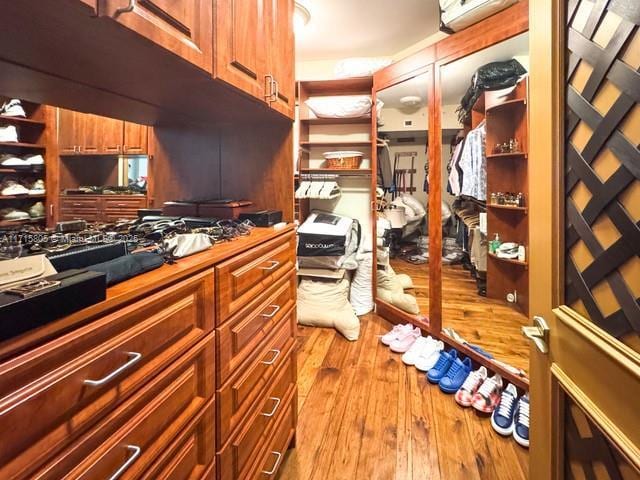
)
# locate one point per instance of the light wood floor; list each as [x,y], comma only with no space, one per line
[487,322]
[364,415]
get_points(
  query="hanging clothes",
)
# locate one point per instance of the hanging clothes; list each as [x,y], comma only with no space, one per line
[455,173]
[473,162]
[385,171]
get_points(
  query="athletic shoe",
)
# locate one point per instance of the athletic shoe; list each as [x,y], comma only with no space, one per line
[488,395]
[11,187]
[37,188]
[456,375]
[442,366]
[412,355]
[37,210]
[521,424]
[502,417]
[429,356]
[12,214]
[464,395]
[12,161]
[8,133]
[34,159]
[13,108]
[508,250]
[404,341]
[394,333]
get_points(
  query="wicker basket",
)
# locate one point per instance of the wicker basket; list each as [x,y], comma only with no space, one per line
[343,159]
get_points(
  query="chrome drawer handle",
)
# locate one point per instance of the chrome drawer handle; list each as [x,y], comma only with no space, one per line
[127,9]
[276,309]
[275,407]
[273,360]
[136,453]
[274,265]
[134,357]
[275,466]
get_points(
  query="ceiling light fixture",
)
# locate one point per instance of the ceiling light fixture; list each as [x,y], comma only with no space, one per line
[411,101]
[301,16]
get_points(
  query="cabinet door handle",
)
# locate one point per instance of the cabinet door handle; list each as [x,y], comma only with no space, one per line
[269,81]
[275,465]
[276,309]
[275,407]
[273,266]
[273,360]
[136,453]
[134,357]
[127,9]
[276,91]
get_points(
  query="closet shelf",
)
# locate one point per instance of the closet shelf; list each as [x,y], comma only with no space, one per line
[509,260]
[522,155]
[16,170]
[21,197]
[21,121]
[516,102]
[336,144]
[336,121]
[22,146]
[14,223]
[345,171]
[507,207]
[337,86]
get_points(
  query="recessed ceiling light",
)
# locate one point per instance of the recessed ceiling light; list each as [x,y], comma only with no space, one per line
[301,16]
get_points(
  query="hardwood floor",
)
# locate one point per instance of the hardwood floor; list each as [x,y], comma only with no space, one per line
[364,415]
[487,322]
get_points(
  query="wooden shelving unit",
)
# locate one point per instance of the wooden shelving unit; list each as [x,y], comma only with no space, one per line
[508,260]
[507,207]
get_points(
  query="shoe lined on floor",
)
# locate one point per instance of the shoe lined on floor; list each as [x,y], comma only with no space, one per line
[36,159]
[429,356]
[37,188]
[440,369]
[456,375]
[8,133]
[503,416]
[521,422]
[13,108]
[37,210]
[411,356]
[12,187]
[405,340]
[464,395]
[394,333]
[488,395]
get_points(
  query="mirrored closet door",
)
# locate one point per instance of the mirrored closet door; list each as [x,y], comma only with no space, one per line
[485,229]
[403,196]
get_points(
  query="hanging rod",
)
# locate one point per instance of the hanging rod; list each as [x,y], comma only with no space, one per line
[332,176]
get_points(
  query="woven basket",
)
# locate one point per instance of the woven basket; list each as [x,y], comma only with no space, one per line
[346,160]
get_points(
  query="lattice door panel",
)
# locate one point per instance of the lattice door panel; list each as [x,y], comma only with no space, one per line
[602,164]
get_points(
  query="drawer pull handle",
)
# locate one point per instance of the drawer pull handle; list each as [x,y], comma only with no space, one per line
[275,407]
[273,360]
[275,465]
[134,357]
[276,309]
[273,266]
[136,453]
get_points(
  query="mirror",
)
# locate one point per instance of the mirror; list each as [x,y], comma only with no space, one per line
[484,192]
[402,196]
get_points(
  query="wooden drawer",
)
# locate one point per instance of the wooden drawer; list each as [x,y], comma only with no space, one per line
[242,278]
[115,215]
[243,389]
[133,437]
[127,202]
[69,384]
[244,332]
[278,445]
[78,202]
[241,455]
[79,214]
[191,456]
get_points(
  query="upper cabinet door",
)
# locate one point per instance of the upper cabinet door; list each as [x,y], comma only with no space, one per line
[135,139]
[282,56]
[69,131]
[240,45]
[110,133]
[183,27]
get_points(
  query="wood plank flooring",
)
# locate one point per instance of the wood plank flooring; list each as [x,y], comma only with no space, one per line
[364,415]
[487,322]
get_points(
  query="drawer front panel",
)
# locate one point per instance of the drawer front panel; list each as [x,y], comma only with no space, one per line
[75,380]
[78,202]
[239,456]
[241,391]
[244,332]
[79,214]
[115,215]
[279,444]
[135,435]
[243,278]
[124,202]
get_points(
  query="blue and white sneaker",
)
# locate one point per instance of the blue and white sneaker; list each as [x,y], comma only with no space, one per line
[442,366]
[521,424]
[456,375]
[502,416]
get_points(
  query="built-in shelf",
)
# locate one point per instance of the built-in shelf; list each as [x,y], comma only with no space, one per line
[341,143]
[28,221]
[516,102]
[25,169]
[21,121]
[509,260]
[22,146]
[507,207]
[508,155]
[337,86]
[338,171]
[336,121]
[21,197]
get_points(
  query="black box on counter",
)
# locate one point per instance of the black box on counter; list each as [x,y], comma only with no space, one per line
[68,292]
[262,218]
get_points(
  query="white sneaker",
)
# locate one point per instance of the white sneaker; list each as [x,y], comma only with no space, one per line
[404,342]
[411,355]
[395,333]
[34,159]
[13,214]
[12,161]
[429,356]
[11,187]
[13,108]
[37,210]
[37,188]
[8,133]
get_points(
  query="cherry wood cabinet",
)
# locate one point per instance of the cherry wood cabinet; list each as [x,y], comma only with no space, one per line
[70,131]
[281,56]
[101,208]
[182,27]
[135,139]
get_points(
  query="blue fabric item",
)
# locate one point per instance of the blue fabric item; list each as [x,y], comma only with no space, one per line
[442,366]
[503,416]
[456,375]
[480,350]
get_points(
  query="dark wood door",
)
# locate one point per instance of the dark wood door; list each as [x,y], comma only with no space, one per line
[182,27]
[69,131]
[135,138]
[281,58]
[240,45]
[102,135]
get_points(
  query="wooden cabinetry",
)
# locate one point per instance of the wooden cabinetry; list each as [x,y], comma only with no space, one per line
[100,208]
[183,28]
[135,139]
[280,62]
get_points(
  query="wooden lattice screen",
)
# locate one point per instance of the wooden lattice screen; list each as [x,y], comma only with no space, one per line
[602,164]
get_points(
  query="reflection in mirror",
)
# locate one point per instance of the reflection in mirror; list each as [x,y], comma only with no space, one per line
[484,191]
[402,196]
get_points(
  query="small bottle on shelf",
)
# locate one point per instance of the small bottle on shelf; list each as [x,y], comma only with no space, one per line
[494,198]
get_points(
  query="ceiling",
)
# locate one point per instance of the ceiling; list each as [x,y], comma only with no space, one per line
[364,28]
[416,86]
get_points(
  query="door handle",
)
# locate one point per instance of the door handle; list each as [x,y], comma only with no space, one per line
[538,333]
[276,91]
[269,81]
